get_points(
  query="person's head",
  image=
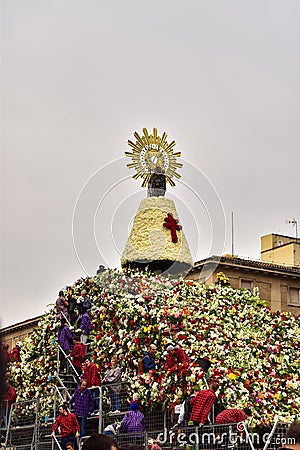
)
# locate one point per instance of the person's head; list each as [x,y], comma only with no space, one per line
[5,346]
[152,350]
[63,322]
[170,349]
[134,406]
[63,409]
[19,344]
[293,436]
[114,362]
[247,411]
[61,294]
[69,446]
[87,362]
[100,442]
[83,385]
[214,386]
[83,293]
[76,339]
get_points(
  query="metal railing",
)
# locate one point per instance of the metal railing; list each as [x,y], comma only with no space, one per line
[61,383]
[114,401]
[4,413]
[276,437]
[57,391]
[27,431]
[65,317]
[69,363]
[22,424]
[55,440]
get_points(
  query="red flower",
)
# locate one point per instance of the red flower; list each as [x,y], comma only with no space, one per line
[181,336]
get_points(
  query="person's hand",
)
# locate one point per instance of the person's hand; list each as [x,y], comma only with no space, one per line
[77,434]
[52,434]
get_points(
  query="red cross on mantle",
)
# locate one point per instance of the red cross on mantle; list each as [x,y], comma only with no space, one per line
[173,225]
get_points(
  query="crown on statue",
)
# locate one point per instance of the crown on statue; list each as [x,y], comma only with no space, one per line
[152,154]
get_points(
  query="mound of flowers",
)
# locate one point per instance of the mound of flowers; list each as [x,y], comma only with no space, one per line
[34,377]
[255,353]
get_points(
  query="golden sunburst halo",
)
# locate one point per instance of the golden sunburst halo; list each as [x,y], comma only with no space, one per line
[151,153]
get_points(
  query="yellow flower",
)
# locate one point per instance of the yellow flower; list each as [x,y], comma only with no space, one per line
[232,376]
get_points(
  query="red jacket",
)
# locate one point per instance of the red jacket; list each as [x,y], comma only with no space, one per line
[68,424]
[231,416]
[9,397]
[78,354]
[202,405]
[5,356]
[179,357]
[91,374]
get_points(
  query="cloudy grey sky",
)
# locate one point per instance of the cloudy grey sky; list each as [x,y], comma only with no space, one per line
[79,77]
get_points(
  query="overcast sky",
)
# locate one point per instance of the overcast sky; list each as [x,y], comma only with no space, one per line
[79,77]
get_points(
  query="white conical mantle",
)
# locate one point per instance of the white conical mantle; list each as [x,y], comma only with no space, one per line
[150,241]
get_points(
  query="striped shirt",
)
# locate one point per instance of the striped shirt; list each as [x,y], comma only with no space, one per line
[202,405]
[231,416]
[133,422]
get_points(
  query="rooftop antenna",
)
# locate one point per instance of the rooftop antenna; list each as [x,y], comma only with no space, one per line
[232,235]
[294,222]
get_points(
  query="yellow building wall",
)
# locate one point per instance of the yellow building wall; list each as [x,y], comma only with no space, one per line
[287,255]
[297,255]
[280,255]
[266,242]
[278,249]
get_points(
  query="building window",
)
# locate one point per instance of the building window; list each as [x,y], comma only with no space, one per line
[246,284]
[294,296]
